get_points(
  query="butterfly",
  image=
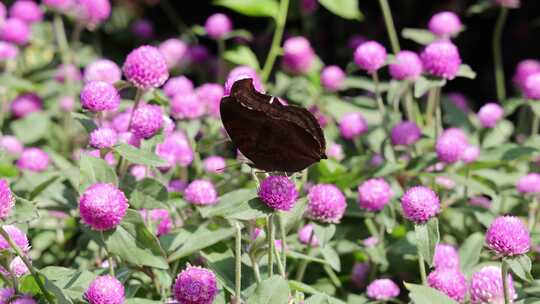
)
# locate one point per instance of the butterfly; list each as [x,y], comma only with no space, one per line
[273,136]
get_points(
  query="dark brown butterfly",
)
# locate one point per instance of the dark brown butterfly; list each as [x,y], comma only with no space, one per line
[272,136]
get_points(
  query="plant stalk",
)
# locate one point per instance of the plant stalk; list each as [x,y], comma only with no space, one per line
[497,54]
[422,267]
[390,27]
[281,19]
[303,265]
[271,239]
[221,60]
[380,103]
[109,256]
[504,272]
[238,264]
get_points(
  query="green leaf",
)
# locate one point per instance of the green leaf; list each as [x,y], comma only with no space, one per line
[499,134]
[420,36]
[469,252]
[324,232]
[141,301]
[23,211]
[95,170]
[31,128]
[521,266]
[73,282]
[427,238]
[150,194]
[242,55]
[332,257]
[8,170]
[88,123]
[200,239]
[138,156]
[222,264]
[466,71]
[274,290]
[254,8]
[420,294]
[347,9]
[512,104]
[42,186]
[240,204]
[293,216]
[423,84]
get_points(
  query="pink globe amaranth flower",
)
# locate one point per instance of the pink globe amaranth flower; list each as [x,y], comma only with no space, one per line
[66,73]
[24,299]
[146,67]
[508,3]
[26,10]
[445,24]
[8,50]
[243,72]
[450,145]
[382,289]
[370,56]
[168,125]
[26,104]
[17,267]
[92,12]
[6,294]
[332,78]
[355,41]
[97,96]
[218,25]
[214,164]
[480,201]
[120,122]
[177,185]
[335,151]
[370,242]
[61,5]
[15,31]
[139,172]
[210,95]
[147,121]
[470,154]
[159,216]
[102,70]
[174,51]
[7,200]
[178,85]
[406,66]
[11,145]
[3,12]
[405,133]
[321,118]
[524,69]
[186,106]
[309,6]
[298,55]
[175,149]
[486,286]
[102,206]
[441,58]
[195,285]
[304,235]
[529,183]
[105,290]
[352,125]
[374,194]
[489,114]
[450,282]
[360,273]
[445,182]
[532,86]
[66,103]
[459,100]
[129,138]
[102,138]
[326,203]
[508,236]
[376,160]
[420,204]
[33,159]
[201,192]
[445,257]
[109,157]
[198,54]
[143,28]
[278,192]
[19,237]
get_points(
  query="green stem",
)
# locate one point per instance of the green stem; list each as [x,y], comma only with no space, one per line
[270,237]
[276,40]
[497,54]
[61,38]
[238,264]
[281,269]
[533,210]
[535,123]
[303,264]
[438,114]
[422,268]
[409,104]
[283,236]
[109,256]
[221,60]
[430,109]
[380,104]
[138,97]
[504,272]
[255,266]
[389,23]
[332,275]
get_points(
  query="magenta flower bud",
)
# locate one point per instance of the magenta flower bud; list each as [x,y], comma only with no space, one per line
[175,149]
[489,114]
[508,3]
[129,138]
[445,182]
[33,159]
[304,235]
[445,24]
[360,273]
[370,242]
[332,78]
[18,268]
[376,160]
[139,172]
[19,237]
[26,104]
[441,58]
[178,85]
[450,145]
[406,66]
[195,285]
[420,204]
[15,31]
[146,68]
[524,69]
[186,106]
[374,194]
[321,118]
[370,56]
[210,95]
[60,5]
[214,164]
[529,183]
[352,125]
[105,290]
[459,100]
[445,257]
[243,72]
[143,28]
[470,154]
[24,299]
[309,6]
[66,103]
[298,55]
[147,121]
[102,70]
[11,145]
[487,286]
[92,12]
[480,201]
[326,203]
[97,96]
[67,72]
[218,26]
[278,192]
[26,10]
[335,151]
[176,185]
[174,51]
[405,133]
[382,289]
[201,192]
[8,50]
[103,206]
[198,54]
[450,282]
[508,236]
[102,138]
[159,216]
[7,200]
[532,86]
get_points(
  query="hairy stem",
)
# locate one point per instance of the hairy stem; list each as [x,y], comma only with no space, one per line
[281,19]
[389,23]
[504,272]
[238,264]
[497,54]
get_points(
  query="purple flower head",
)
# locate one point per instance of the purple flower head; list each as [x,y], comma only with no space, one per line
[278,192]
[218,25]
[26,104]
[177,185]
[143,28]
[103,206]
[405,133]
[524,69]
[201,192]
[298,55]
[11,145]
[319,115]
[374,194]
[243,72]
[103,138]
[16,266]
[508,3]
[326,203]
[105,290]
[420,204]
[508,236]
[450,145]
[198,54]
[146,67]
[470,154]
[445,182]
[210,95]
[129,138]
[459,100]
[370,56]
[406,66]
[26,10]
[180,85]
[173,50]
[445,257]
[490,114]
[175,149]
[376,160]
[529,183]
[66,72]
[92,12]
[445,24]
[147,120]
[139,172]
[15,31]
[60,5]
[532,86]
[480,201]
[214,164]
[6,293]
[33,159]
[487,286]
[450,282]
[370,242]
[24,299]
[304,235]
[355,41]
[97,96]
[19,237]
[159,216]
[102,70]
[66,103]
[335,151]
[7,50]
[352,125]
[7,200]
[332,78]
[382,289]
[360,273]
[187,106]
[195,285]
[441,58]
[309,6]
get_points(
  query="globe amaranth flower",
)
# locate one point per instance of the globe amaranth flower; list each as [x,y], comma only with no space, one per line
[11,145]
[326,203]
[529,183]
[92,12]
[524,69]
[143,28]
[406,66]
[7,200]
[198,54]
[278,192]
[179,85]
[450,282]
[243,72]
[486,286]
[26,10]
[105,290]
[370,242]
[24,299]
[532,86]
[319,115]
[508,3]
[15,31]
[445,257]
[355,41]
[210,95]
[470,154]
[298,55]
[405,133]
[17,267]
[459,100]
[201,192]
[146,68]
[159,216]
[26,104]
[103,137]
[66,103]
[102,70]
[352,125]
[450,145]
[335,151]
[360,273]
[177,185]
[195,285]
[214,164]
[8,50]
[97,96]
[508,236]
[67,72]
[60,5]
[102,206]
[333,78]
[445,182]
[140,172]
[174,51]
[309,6]
[6,293]
[374,194]
[382,289]
[147,120]
[441,58]
[420,204]
[480,201]
[187,106]
[370,56]
[19,237]
[218,25]
[445,24]
[489,114]
[33,159]
[176,150]
[307,233]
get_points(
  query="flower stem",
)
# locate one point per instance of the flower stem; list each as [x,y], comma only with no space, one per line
[271,238]
[438,114]
[281,19]
[422,268]
[380,104]
[533,210]
[535,123]
[221,60]
[281,269]
[138,97]
[303,265]
[283,236]
[109,256]
[238,264]
[504,272]
[255,266]
[497,54]
[61,39]
[389,23]
[409,104]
